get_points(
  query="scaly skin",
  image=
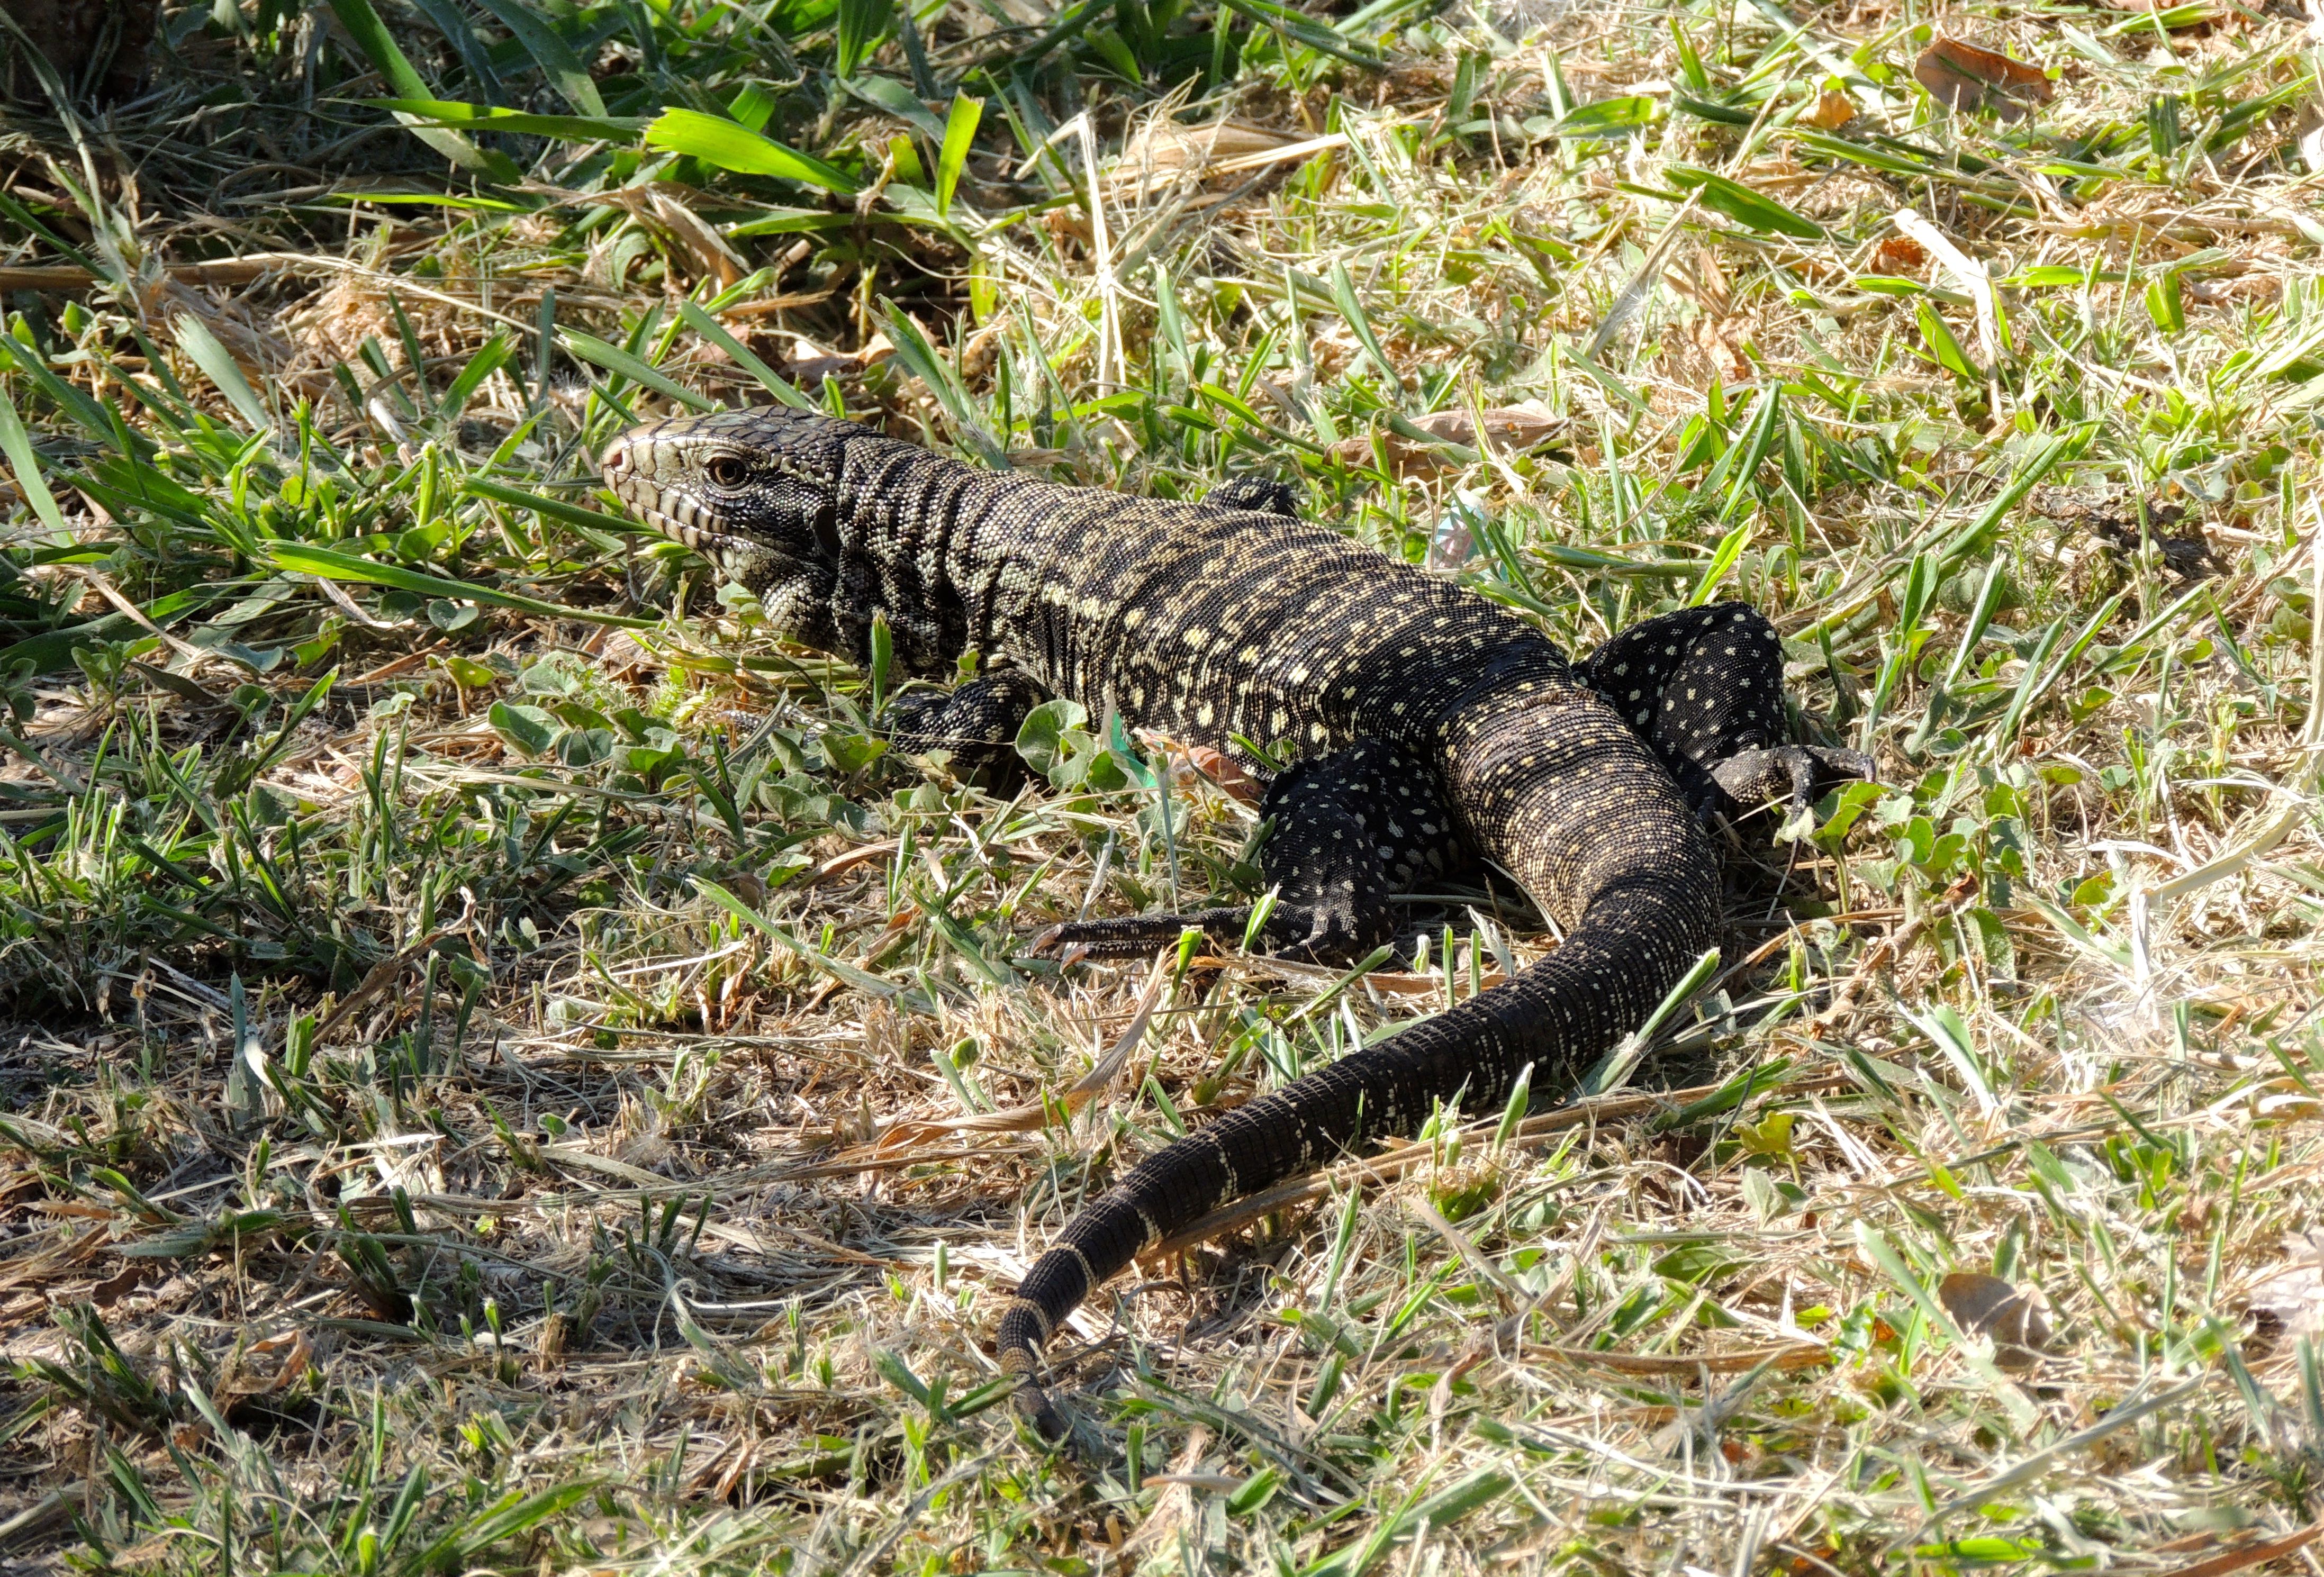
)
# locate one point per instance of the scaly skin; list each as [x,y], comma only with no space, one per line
[1204,619]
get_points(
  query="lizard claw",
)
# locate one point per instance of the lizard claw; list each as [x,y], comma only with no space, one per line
[1294,932]
[1138,936]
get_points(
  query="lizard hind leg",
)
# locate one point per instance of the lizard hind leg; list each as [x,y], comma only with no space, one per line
[1705,688]
[1348,830]
[974,724]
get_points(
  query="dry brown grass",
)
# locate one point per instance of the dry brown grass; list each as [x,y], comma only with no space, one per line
[415,1169]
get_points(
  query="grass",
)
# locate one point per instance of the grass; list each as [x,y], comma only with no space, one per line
[490,1030]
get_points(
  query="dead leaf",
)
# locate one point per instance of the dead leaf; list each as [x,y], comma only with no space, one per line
[1164,147]
[1986,1305]
[1965,76]
[1200,759]
[1832,111]
[1711,337]
[1899,255]
[811,364]
[2244,1554]
[659,207]
[2148,7]
[2293,1293]
[1506,428]
[114,1288]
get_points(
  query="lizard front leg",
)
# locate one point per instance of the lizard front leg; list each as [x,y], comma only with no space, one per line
[1348,830]
[975,725]
[1704,687]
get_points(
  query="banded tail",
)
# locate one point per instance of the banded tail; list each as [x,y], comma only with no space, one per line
[1636,937]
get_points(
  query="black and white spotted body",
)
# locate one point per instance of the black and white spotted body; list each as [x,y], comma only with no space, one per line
[1428,724]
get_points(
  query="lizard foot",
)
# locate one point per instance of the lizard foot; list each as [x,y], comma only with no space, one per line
[1790,775]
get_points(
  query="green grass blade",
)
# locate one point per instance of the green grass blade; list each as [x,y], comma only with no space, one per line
[847,974]
[17,444]
[484,117]
[589,348]
[194,336]
[731,145]
[699,319]
[959,136]
[1343,294]
[1741,204]
[371,35]
[329,564]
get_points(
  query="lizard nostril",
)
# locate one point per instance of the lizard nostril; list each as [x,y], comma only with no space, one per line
[617,460]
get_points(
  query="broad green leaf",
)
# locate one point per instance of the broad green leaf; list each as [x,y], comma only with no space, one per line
[1740,202]
[731,145]
[513,1514]
[1609,117]
[529,728]
[2049,276]
[555,57]
[792,221]
[1343,293]
[1309,31]
[1046,738]
[754,107]
[913,349]
[887,94]
[432,199]
[959,136]
[1944,346]
[589,348]
[861,23]
[485,118]
[1730,549]
[555,509]
[481,366]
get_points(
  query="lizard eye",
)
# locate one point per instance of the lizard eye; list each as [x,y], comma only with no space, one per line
[728,471]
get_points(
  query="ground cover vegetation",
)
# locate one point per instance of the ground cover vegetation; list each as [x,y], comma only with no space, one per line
[505,1070]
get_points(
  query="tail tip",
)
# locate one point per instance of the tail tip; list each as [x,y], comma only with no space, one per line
[1047,1419]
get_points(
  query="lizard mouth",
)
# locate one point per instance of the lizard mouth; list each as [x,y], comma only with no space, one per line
[679,528]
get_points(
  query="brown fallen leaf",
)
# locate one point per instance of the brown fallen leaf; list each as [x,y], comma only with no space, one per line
[115,1288]
[1965,76]
[2292,1293]
[811,363]
[1507,428]
[1986,1305]
[1899,255]
[1215,765]
[1712,336]
[1832,111]
[659,207]
[2247,1553]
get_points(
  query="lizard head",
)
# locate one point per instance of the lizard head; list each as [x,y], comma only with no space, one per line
[759,492]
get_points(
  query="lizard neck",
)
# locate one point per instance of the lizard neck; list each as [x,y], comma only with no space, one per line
[918,553]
